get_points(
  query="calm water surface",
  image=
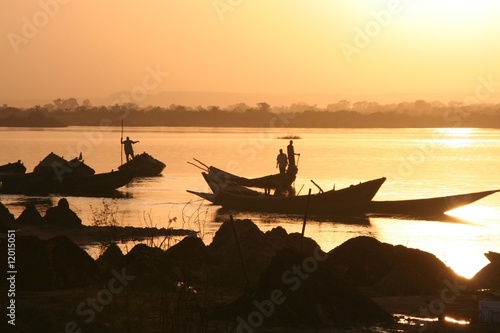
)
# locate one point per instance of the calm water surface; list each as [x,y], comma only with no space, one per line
[417,162]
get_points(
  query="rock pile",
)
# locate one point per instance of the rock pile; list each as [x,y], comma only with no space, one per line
[30,215]
[54,264]
[62,215]
[258,249]
[299,291]
[383,269]
[488,277]
[5,215]
[270,282]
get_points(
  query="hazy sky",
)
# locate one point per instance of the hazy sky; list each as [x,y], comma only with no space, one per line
[354,49]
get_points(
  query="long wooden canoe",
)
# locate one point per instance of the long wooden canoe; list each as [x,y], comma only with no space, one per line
[100,184]
[352,199]
[426,206]
[39,183]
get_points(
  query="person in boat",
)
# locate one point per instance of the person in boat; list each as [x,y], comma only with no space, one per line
[291,157]
[282,161]
[127,146]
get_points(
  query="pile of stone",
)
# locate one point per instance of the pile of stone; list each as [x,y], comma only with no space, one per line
[487,278]
[382,269]
[53,264]
[60,215]
[271,279]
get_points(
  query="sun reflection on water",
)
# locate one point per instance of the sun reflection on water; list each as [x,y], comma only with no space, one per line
[454,137]
[475,213]
[414,321]
[444,239]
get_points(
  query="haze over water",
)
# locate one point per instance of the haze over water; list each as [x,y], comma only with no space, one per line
[417,162]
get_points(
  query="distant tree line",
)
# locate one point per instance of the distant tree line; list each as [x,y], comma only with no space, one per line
[343,114]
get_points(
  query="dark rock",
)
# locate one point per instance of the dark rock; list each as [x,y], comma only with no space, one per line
[187,262]
[365,261]
[111,256]
[62,215]
[298,291]
[487,278]
[30,215]
[403,279]
[110,261]
[71,265]
[53,264]
[227,269]
[5,215]
[281,239]
[33,256]
[257,248]
[278,237]
[190,251]
[145,264]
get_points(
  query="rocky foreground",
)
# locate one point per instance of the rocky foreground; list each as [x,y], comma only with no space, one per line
[244,281]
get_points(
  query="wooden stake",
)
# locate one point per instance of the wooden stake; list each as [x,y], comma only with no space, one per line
[305,219]
[247,279]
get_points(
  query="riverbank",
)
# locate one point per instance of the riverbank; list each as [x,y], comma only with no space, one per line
[92,235]
[244,281]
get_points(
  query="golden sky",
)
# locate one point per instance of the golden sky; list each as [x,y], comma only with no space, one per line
[384,51]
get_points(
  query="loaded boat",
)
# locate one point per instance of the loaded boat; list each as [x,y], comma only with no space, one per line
[55,175]
[144,165]
[281,182]
[231,191]
[16,168]
[352,199]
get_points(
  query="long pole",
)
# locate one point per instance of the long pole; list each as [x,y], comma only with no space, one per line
[121,150]
[305,220]
[240,251]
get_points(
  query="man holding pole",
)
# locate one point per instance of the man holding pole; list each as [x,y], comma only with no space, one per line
[291,157]
[127,145]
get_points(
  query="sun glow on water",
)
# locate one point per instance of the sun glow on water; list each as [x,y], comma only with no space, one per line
[443,239]
[454,137]
[475,213]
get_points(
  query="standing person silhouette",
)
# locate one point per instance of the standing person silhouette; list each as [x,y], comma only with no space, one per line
[127,146]
[281,161]
[291,157]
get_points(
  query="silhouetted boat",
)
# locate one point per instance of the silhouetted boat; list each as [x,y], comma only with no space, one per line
[234,186]
[31,183]
[352,199]
[282,182]
[16,168]
[426,206]
[99,184]
[144,165]
[55,175]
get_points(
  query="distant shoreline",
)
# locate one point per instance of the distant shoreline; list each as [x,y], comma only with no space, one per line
[410,115]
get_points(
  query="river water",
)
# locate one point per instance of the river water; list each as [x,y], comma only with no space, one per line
[417,163]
